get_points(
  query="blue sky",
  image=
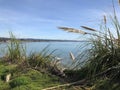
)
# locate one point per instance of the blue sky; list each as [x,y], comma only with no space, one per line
[40,18]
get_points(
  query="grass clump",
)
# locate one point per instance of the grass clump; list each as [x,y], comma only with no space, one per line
[5,70]
[22,80]
[75,75]
[103,62]
[33,80]
[4,86]
[33,71]
[38,60]
[15,52]
[29,79]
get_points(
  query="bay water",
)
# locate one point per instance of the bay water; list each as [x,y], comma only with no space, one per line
[61,49]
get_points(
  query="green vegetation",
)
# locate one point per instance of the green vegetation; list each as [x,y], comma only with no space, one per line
[30,79]
[102,64]
[20,72]
[100,69]
[16,51]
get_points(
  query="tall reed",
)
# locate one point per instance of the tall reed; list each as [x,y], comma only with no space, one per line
[16,52]
[104,54]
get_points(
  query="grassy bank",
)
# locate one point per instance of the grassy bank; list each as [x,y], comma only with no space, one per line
[22,80]
[36,71]
[21,72]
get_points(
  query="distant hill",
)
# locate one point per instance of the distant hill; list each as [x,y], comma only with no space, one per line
[4,39]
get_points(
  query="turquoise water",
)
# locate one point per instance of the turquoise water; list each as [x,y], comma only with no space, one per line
[62,49]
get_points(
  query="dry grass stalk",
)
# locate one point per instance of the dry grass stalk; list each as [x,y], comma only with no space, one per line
[72,30]
[119,2]
[81,82]
[88,28]
[72,56]
[104,18]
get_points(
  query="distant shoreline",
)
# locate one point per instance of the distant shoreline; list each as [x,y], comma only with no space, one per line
[4,39]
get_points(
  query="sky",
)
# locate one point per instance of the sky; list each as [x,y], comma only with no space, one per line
[40,18]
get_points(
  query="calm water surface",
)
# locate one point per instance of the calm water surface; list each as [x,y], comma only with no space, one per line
[62,49]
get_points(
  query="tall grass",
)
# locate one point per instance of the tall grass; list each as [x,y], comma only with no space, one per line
[16,51]
[104,54]
[35,71]
[43,61]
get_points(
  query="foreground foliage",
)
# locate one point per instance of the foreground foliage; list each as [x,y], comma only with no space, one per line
[31,79]
[36,71]
[100,69]
[102,60]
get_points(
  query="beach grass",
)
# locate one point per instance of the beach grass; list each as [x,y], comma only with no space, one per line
[102,64]
[35,71]
[100,69]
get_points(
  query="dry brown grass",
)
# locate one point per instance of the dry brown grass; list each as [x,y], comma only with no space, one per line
[104,19]
[72,30]
[88,28]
